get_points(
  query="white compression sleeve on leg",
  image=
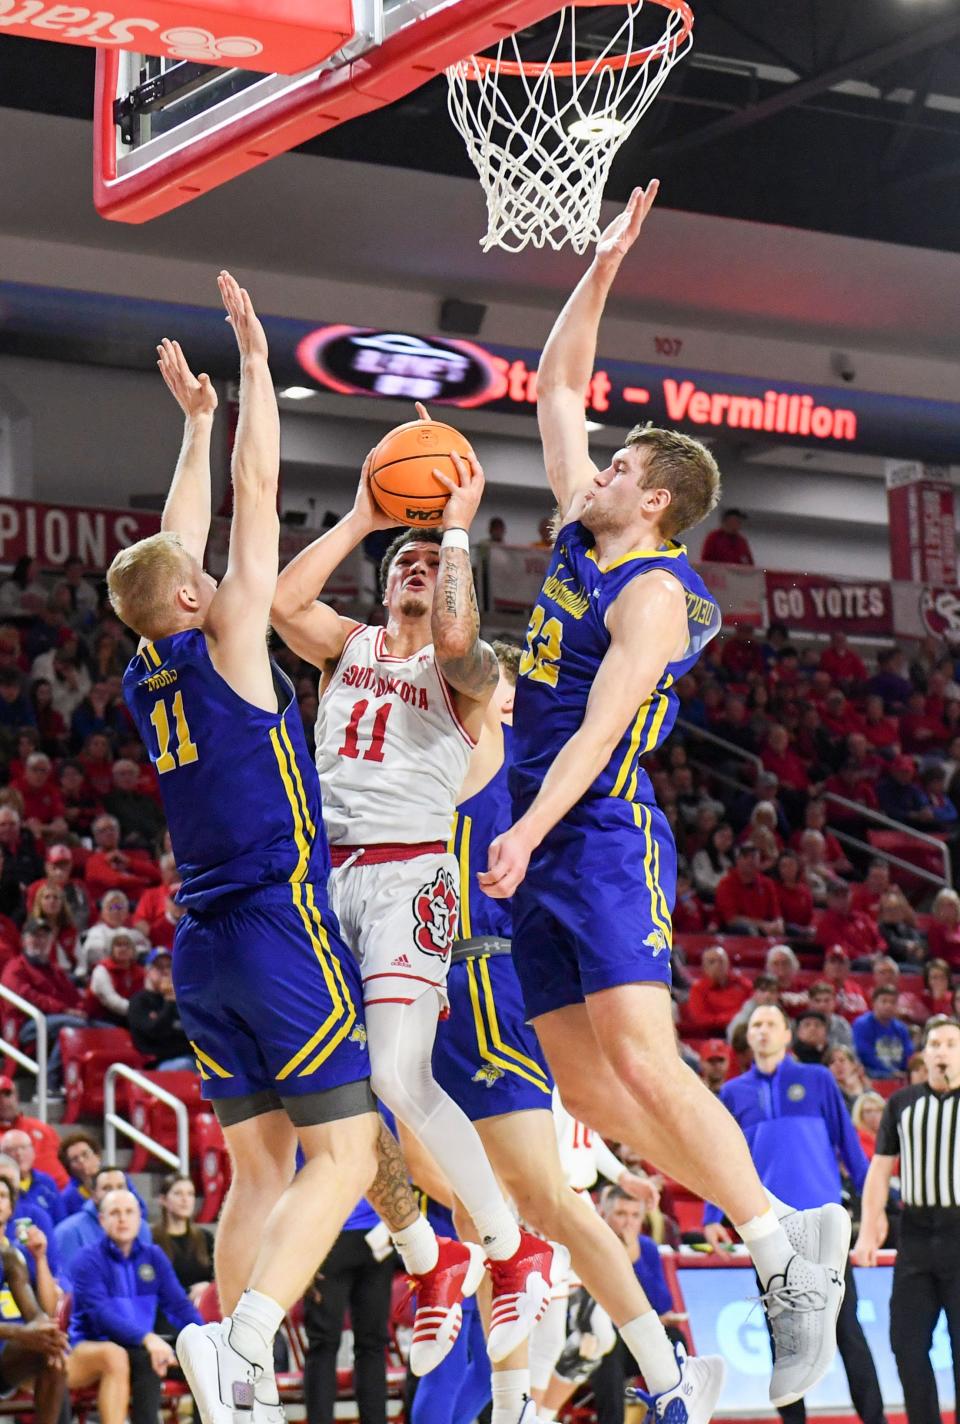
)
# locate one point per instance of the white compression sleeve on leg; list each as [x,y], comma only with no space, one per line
[400,1039]
[547,1340]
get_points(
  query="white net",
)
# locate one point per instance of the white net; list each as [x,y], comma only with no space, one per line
[543,136]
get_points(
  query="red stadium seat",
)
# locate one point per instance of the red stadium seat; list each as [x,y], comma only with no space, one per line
[155,1118]
[210,1151]
[87,1054]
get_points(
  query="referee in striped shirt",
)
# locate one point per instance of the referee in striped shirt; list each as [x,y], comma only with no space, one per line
[921,1126]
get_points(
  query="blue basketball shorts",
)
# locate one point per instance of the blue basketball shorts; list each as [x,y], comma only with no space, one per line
[594,910]
[486,1057]
[270,996]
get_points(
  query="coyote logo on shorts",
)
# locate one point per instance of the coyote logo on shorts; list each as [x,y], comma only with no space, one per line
[488,1075]
[436,908]
[656,940]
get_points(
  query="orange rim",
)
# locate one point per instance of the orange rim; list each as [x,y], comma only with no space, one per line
[478,66]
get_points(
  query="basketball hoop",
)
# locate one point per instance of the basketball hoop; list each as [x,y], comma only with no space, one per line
[543,134]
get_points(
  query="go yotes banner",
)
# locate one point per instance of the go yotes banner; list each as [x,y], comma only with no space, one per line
[816,603]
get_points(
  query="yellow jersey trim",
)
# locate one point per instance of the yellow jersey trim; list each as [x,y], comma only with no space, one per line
[298,782]
[659,912]
[464,824]
[537,1077]
[342,1013]
[672,552]
[300,838]
[205,1061]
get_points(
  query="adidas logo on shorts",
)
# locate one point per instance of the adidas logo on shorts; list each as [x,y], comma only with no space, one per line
[401,962]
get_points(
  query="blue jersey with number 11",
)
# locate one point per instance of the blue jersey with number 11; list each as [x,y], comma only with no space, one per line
[239,788]
[567,640]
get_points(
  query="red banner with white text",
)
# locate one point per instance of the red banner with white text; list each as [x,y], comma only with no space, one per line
[817,603]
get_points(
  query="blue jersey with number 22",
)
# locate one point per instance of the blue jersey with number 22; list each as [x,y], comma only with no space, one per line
[567,640]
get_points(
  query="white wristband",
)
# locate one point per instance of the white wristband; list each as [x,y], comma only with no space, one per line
[456,539]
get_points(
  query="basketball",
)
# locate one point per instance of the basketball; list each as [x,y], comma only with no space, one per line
[402,477]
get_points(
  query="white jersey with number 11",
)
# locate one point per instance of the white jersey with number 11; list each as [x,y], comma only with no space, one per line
[392,753]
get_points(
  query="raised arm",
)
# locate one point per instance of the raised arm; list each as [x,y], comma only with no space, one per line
[566,365]
[468,663]
[314,630]
[187,508]
[239,614]
[648,628]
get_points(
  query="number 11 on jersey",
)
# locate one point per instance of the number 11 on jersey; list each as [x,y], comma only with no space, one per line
[351,737]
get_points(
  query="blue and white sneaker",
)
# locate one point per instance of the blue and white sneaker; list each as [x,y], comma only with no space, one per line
[693,1398]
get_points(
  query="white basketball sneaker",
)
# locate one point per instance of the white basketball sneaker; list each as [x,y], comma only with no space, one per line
[693,1398]
[223,1382]
[802,1306]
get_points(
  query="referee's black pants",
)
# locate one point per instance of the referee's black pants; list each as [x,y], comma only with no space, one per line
[857,1362]
[349,1278]
[926,1280]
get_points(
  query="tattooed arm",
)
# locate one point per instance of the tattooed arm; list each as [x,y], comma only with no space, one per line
[467,663]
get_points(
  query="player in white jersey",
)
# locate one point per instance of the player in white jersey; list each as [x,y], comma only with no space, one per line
[401,708]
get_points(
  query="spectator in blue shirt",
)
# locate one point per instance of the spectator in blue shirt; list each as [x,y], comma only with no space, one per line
[31,1344]
[37,1189]
[119,1286]
[85,1227]
[900,797]
[79,1155]
[882,1041]
[24,1222]
[797,1126]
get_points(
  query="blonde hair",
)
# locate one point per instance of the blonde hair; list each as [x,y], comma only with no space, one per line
[943,899]
[865,1100]
[142,582]
[685,467]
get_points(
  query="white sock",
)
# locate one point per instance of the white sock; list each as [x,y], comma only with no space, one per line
[647,1342]
[779,1207]
[498,1231]
[417,1246]
[545,1415]
[254,1323]
[510,1391]
[767,1243]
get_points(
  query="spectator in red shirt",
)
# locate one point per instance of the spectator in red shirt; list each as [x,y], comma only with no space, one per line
[794,898]
[867,896]
[839,715]
[45,1139]
[689,914]
[42,802]
[943,934]
[746,900]
[741,656]
[855,784]
[114,981]
[897,922]
[153,902]
[32,975]
[939,987]
[715,1058]
[784,966]
[727,545]
[716,994]
[853,929]
[50,905]
[881,731]
[80,804]
[851,1001]
[110,868]
[920,731]
[842,664]
[780,758]
[815,819]
[97,762]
